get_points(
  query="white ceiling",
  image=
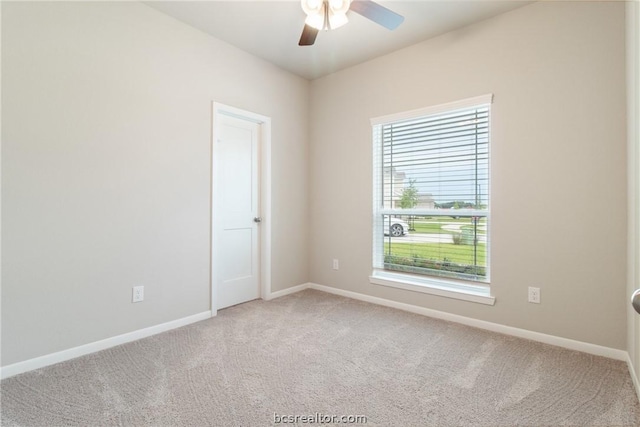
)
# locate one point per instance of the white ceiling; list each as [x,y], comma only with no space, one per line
[271,29]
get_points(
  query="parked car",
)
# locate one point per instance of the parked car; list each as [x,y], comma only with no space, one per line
[395,227]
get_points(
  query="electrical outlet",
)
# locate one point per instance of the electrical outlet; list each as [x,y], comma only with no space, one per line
[336,264]
[138,294]
[534,295]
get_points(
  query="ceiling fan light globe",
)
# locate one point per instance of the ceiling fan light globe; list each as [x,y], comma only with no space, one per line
[339,6]
[312,7]
[337,20]
[315,20]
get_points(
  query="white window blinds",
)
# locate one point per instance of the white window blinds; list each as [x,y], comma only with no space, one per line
[431,184]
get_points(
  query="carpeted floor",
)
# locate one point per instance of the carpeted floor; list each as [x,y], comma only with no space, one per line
[315,353]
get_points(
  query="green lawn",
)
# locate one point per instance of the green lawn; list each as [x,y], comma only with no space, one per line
[430,228]
[434,225]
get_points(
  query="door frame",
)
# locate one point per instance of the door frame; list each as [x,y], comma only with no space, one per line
[264,164]
[633,174]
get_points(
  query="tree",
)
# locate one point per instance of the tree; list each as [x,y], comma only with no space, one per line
[409,200]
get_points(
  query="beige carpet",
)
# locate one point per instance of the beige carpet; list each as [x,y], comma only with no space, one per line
[313,352]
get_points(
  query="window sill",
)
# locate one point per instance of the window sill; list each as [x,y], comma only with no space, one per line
[427,285]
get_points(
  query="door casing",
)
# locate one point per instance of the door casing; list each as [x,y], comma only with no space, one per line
[265,196]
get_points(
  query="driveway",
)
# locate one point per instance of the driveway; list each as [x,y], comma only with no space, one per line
[455,227]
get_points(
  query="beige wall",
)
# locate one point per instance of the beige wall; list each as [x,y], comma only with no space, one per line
[106,113]
[558,191]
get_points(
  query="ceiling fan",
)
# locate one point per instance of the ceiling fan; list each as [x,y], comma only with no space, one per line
[331,14]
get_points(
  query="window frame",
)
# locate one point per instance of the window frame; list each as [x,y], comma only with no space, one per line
[478,291]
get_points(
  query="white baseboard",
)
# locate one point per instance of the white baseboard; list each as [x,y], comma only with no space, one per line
[634,376]
[61,356]
[584,347]
[72,353]
[288,291]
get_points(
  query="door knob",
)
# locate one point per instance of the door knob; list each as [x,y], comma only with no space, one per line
[635,300]
[257,219]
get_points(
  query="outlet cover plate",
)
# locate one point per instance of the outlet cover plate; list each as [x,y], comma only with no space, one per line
[534,295]
[138,294]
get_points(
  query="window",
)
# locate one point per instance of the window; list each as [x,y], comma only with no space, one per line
[431,196]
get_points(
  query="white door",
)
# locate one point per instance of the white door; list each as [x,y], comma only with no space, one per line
[236,269]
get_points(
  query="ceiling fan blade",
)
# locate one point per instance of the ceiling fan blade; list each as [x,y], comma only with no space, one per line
[377,13]
[308,36]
